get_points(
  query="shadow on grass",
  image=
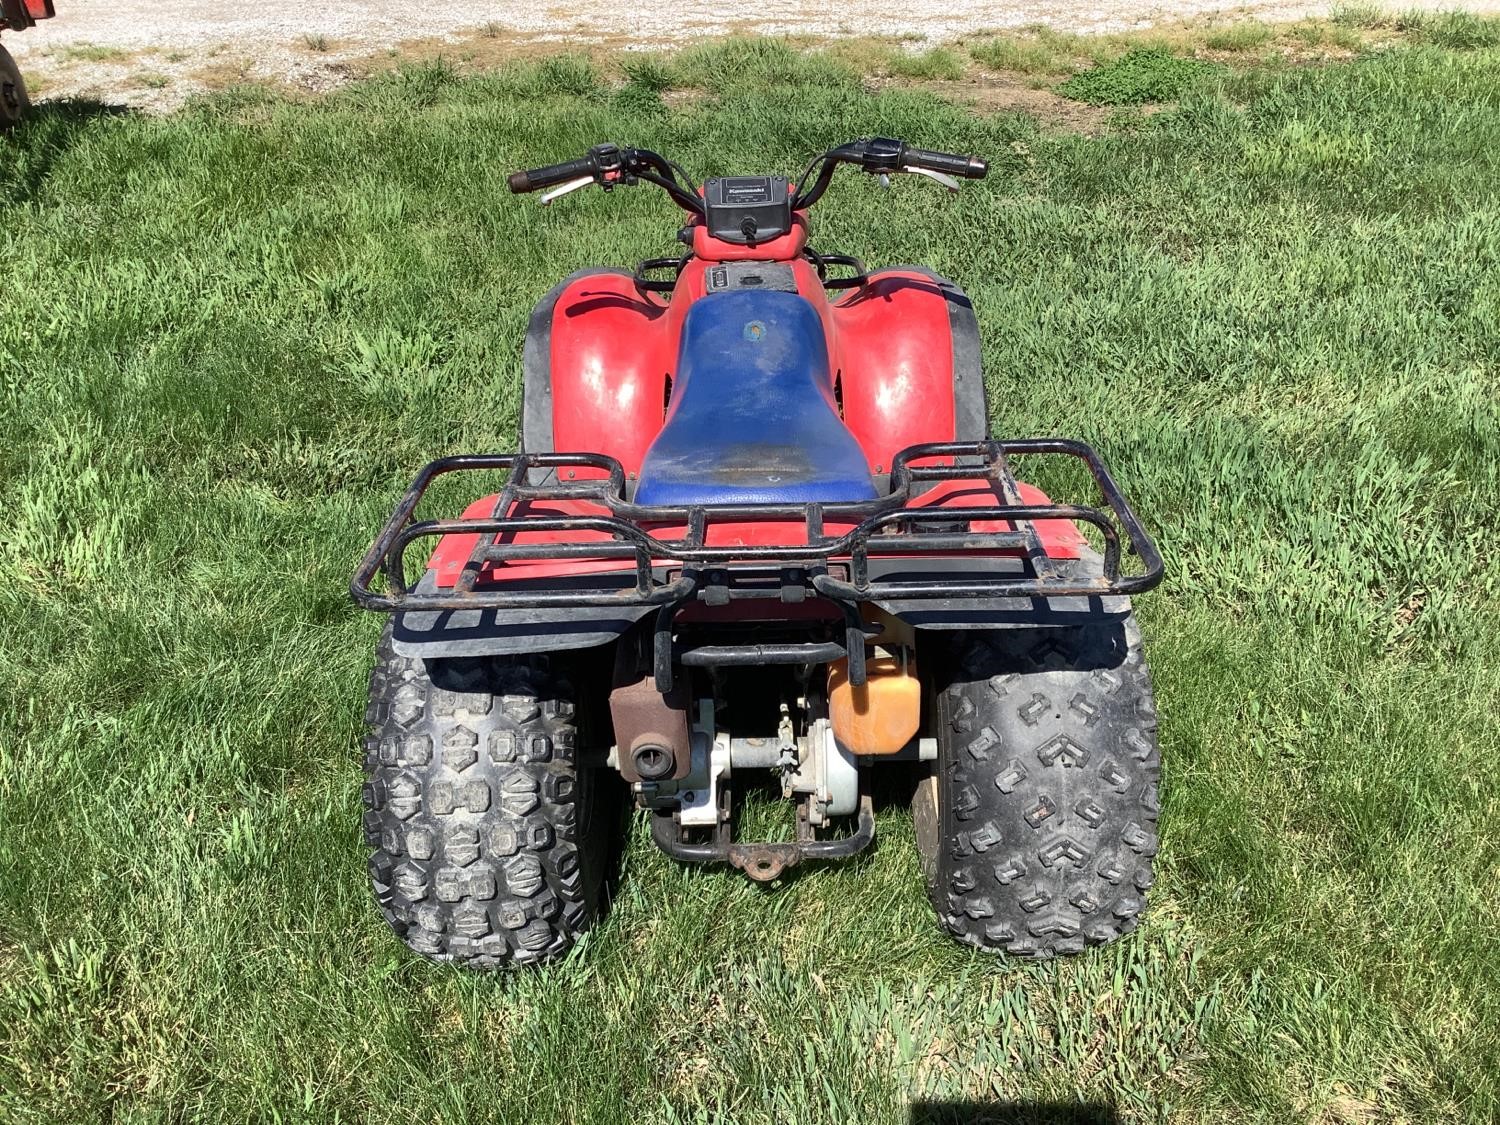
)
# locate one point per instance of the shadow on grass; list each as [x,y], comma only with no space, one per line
[44,136]
[1011,1113]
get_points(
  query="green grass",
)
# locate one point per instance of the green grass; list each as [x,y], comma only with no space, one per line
[1461,31]
[232,335]
[1244,35]
[1022,56]
[1359,15]
[1316,33]
[1142,75]
[1456,30]
[90,52]
[938,62]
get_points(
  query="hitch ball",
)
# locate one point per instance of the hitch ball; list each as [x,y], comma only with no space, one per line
[653,761]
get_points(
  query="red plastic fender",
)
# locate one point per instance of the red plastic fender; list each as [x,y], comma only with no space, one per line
[610,361]
[18,15]
[894,352]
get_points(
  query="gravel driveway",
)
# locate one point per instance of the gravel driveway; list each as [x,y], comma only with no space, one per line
[153,54]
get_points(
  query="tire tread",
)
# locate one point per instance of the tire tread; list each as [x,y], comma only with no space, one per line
[1047,789]
[471,809]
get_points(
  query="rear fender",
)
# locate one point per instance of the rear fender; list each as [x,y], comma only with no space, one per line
[596,361]
[909,363]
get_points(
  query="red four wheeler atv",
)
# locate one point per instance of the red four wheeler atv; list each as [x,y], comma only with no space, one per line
[757,524]
[17,15]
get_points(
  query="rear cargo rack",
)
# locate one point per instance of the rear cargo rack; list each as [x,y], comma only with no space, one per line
[669,571]
[835,566]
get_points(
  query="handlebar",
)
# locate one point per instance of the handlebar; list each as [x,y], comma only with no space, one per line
[880,156]
[534,179]
[948,163]
[609,165]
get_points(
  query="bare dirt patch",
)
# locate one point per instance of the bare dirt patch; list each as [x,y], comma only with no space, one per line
[989,92]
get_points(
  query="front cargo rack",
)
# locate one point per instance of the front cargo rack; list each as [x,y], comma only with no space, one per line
[669,571]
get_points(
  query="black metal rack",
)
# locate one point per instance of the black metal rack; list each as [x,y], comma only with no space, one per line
[671,571]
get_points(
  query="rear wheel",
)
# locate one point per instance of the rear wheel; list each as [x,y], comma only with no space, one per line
[491,841]
[1040,825]
[13,99]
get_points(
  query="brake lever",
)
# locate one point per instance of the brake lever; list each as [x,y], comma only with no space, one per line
[558,192]
[947,181]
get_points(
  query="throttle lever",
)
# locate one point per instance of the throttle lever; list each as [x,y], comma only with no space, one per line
[947,181]
[563,189]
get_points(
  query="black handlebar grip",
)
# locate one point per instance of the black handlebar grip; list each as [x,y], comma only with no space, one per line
[970,167]
[535,178]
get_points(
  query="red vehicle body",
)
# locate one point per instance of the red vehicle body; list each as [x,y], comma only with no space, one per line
[16,15]
[891,342]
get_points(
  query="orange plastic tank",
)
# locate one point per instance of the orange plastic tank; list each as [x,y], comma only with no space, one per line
[882,716]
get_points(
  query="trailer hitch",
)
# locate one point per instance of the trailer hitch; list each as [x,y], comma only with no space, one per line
[764,862]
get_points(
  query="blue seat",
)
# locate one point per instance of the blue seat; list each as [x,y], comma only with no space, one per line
[752,418]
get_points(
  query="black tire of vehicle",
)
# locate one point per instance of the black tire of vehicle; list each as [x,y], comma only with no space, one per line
[491,842]
[14,101]
[1046,789]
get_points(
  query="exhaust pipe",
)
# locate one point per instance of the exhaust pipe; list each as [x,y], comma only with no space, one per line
[652,760]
